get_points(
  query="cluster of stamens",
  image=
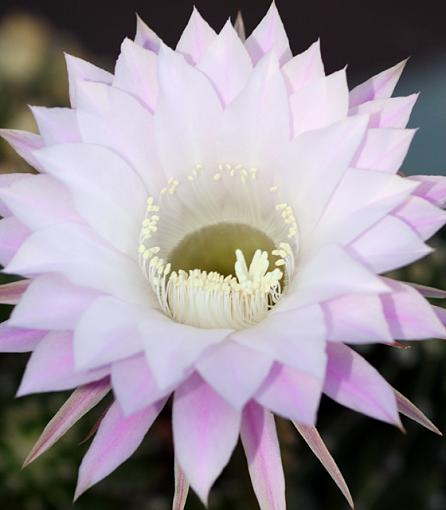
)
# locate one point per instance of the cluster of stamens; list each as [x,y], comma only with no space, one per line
[208,299]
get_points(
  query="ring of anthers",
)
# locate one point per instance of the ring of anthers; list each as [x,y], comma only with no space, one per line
[209,299]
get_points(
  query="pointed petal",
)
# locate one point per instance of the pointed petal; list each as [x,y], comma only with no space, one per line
[196,38]
[356,319]
[81,70]
[187,115]
[387,113]
[51,292]
[106,191]
[239,26]
[428,292]
[181,488]
[432,188]
[116,440]
[304,68]
[80,402]
[136,72]
[409,315]
[18,339]
[259,438]
[406,407]
[384,149]
[24,144]
[51,367]
[205,432]
[226,63]
[229,365]
[425,218]
[269,35]
[351,381]
[133,384]
[290,393]
[146,37]
[317,445]
[12,236]
[379,86]
[11,293]
[388,245]
[6,180]
[56,125]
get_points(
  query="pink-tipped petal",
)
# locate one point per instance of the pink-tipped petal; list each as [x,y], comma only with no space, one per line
[379,86]
[317,445]
[80,402]
[56,125]
[406,407]
[51,367]
[356,319]
[409,315]
[354,383]
[290,393]
[304,68]
[226,63]
[181,488]
[196,38]
[136,72]
[24,144]
[259,438]
[146,37]
[18,339]
[133,384]
[80,70]
[11,293]
[269,35]
[205,432]
[116,440]
[229,365]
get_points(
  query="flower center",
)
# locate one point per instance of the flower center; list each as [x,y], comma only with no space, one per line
[213,250]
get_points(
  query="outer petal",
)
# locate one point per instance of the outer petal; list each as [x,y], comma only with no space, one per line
[172,361]
[56,125]
[196,38]
[17,339]
[10,293]
[135,72]
[187,115]
[226,63]
[181,488]
[406,407]
[409,314]
[40,201]
[268,36]
[259,438]
[106,191]
[352,382]
[378,87]
[205,432]
[425,218]
[388,245]
[75,252]
[229,365]
[6,180]
[51,302]
[78,404]
[292,394]
[24,144]
[12,235]
[357,319]
[432,188]
[304,68]
[116,440]
[51,367]
[80,70]
[146,37]
[133,384]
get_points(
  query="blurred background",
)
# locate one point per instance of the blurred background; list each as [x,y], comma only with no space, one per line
[384,468]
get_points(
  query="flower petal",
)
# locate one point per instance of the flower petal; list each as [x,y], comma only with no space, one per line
[425,218]
[146,37]
[432,188]
[17,339]
[51,367]
[205,432]
[116,440]
[80,402]
[406,407]
[196,38]
[269,35]
[304,68]
[56,125]
[24,144]
[181,489]
[11,293]
[259,438]
[317,445]
[12,236]
[228,365]
[352,382]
